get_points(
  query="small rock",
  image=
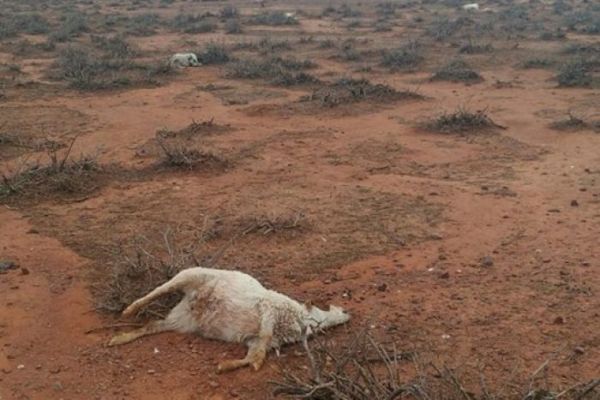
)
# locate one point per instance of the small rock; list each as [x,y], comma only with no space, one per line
[559,320]
[213,384]
[445,275]
[486,261]
[585,263]
[554,210]
[20,366]
[55,370]
[574,203]
[578,350]
[327,281]
[382,287]
[6,265]
[24,271]
[151,371]
[442,257]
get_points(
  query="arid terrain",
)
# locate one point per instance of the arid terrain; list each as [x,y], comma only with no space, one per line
[434,171]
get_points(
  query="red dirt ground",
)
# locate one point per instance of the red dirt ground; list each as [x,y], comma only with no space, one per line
[451,200]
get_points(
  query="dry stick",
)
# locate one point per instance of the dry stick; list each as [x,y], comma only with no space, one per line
[588,390]
[311,358]
[119,325]
[64,160]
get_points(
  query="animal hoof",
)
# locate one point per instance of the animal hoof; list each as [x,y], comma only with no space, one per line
[128,311]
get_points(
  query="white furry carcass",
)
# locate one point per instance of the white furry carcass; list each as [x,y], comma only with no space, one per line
[471,7]
[233,307]
[182,60]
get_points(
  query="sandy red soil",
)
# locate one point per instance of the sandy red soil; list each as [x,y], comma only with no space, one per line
[527,197]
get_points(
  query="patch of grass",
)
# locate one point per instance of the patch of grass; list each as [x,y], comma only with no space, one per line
[233,26]
[407,57]
[462,121]
[214,53]
[85,69]
[290,223]
[33,24]
[537,62]
[442,28]
[179,155]
[574,123]
[552,35]
[346,91]
[190,23]
[277,70]
[457,71]
[229,12]
[574,74]
[143,24]
[72,25]
[114,47]
[472,47]
[273,18]
[348,51]
[64,175]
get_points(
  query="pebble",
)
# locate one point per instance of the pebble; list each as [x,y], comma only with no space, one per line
[20,366]
[382,287]
[445,275]
[486,261]
[6,265]
[559,320]
[574,203]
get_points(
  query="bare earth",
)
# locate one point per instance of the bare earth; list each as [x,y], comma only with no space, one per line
[482,249]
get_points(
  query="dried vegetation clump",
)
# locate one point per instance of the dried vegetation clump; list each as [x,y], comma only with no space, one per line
[346,90]
[367,369]
[462,121]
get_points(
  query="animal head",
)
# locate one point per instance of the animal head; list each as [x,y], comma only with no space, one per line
[320,319]
[193,60]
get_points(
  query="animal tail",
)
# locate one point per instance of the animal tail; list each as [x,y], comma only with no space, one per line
[178,282]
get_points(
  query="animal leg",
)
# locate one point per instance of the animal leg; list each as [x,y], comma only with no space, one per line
[151,328]
[176,283]
[257,352]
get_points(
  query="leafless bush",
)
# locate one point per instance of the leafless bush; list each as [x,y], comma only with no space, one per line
[144,263]
[177,154]
[273,224]
[457,71]
[346,91]
[62,175]
[366,369]
[462,121]
[575,123]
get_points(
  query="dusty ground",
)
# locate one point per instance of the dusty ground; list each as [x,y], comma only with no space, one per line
[482,249]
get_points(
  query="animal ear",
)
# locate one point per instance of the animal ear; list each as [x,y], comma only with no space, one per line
[308,305]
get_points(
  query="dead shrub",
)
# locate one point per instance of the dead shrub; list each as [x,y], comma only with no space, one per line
[139,266]
[406,58]
[63,175]
[364,368]
[346,91]
[273,224]
[574,123]
[457,71]
[462,121]
[277,70]
[177,154]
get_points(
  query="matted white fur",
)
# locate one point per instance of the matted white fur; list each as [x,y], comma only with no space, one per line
[234,307]
[184,60]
